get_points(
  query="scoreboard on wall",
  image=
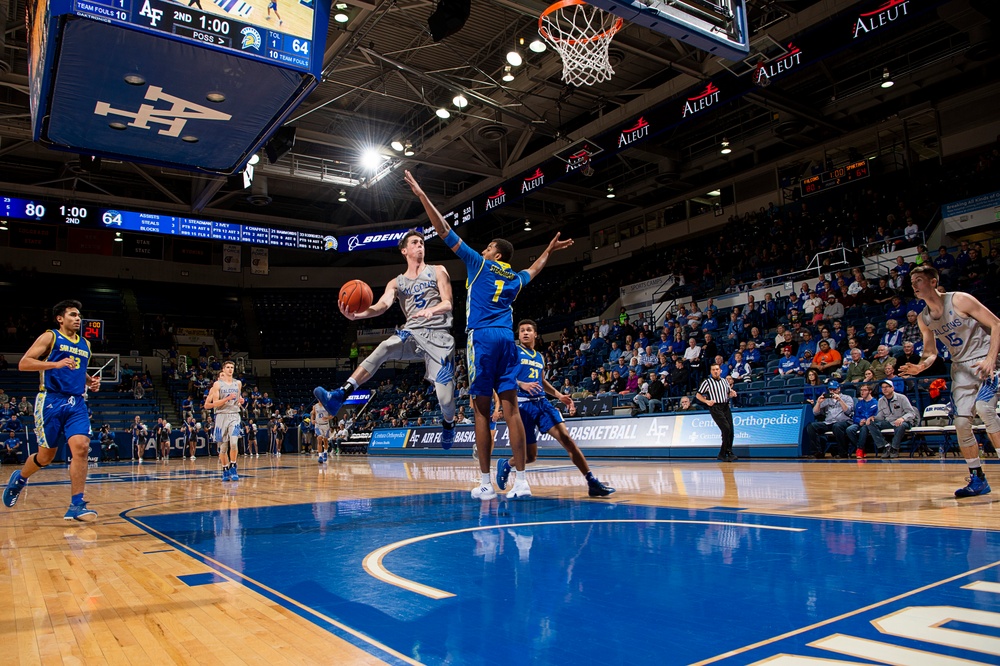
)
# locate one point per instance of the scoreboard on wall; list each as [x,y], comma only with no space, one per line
[197,87]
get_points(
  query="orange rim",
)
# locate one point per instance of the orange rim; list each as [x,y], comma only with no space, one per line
[562,4]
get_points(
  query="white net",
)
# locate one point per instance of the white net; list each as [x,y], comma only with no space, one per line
[581,33]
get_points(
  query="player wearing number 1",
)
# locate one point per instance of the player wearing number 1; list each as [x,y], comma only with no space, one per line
[424,294]
[971,333]
[60,409]
[491,353]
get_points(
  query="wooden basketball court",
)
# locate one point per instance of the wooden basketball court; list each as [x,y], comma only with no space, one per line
[285,566]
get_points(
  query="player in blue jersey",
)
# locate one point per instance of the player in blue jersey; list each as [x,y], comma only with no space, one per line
[491,353]
[60,357]
[273,4]
[538,414]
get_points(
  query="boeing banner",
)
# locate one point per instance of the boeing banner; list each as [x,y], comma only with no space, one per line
[775,432]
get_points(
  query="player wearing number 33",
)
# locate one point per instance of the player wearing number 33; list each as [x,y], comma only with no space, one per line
[60,409]
[971,334]
[424,294]
[491,354]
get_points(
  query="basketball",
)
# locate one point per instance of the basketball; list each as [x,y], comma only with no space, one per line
[355,296]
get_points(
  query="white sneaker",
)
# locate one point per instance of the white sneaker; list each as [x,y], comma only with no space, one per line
[521,490]
[484,492]
[192,457]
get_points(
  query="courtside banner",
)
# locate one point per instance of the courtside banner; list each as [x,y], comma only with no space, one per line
[770,432]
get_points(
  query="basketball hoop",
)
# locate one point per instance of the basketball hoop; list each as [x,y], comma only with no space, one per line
[581,33]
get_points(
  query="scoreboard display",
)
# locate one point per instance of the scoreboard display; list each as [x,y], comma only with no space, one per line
[92,329]
[243,27]
[835,177]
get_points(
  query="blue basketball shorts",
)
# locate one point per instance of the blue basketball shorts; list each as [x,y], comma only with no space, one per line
[59,417]
[493,361]
[538,416]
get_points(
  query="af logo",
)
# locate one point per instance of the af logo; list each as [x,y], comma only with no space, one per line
[154,15]
[175,118]
[251,39]
[330,243]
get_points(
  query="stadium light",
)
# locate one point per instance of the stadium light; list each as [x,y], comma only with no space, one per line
[371,159]
[514,58]
[725,147]
[538,46]
[527,224]
[408,149]
[508,76]
[343,196]
[397,145]
[887,81]
[443,113]
[460,101]
[611,191]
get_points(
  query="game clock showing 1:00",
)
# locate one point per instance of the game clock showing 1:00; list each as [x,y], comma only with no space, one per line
[92,329]
[835,177]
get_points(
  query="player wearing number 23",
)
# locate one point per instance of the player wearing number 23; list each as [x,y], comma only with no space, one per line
[60,356]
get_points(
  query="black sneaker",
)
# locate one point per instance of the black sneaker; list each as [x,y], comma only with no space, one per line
[598,489]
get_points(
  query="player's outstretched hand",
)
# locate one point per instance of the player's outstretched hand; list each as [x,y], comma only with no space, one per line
[94,383]
[350,315]
[412,182]
[908,370]
[557,244]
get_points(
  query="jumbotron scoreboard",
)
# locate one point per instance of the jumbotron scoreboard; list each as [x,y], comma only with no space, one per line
[198,85]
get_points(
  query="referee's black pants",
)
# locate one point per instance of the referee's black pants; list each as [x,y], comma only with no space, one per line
[723,417]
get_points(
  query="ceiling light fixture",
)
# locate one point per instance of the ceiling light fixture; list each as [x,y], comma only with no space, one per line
[611,191]
[887,81]
[527,224]
[538,46]
[118,237]
[443,113]
[460,101]
[254,159]
[343,196]
[3,225]
[408,149]
[514,58]
[341,17]
[370,159]
[396,145]
[714,193]
[508,76]
[725,147]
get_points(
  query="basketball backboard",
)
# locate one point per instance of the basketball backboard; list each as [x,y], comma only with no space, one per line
[717,26]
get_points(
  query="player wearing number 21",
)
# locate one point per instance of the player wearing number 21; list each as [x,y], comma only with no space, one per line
[491,352]
[60,357]
[424,294]
[971,334]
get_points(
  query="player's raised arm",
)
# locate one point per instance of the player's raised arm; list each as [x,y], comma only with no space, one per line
[376,308]
[212,401]
[440,226]
[554,246]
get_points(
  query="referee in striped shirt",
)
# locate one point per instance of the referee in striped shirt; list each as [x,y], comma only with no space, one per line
[715,392]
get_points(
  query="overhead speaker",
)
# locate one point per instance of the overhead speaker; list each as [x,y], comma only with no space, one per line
[449,17]
[279,144]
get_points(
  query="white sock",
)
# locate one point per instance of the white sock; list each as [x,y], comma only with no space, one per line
[974,462]
[522,477]
[487,479]
[352,381]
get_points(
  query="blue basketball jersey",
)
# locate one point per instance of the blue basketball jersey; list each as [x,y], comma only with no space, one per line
[69,381]
[531,366]
[491,288]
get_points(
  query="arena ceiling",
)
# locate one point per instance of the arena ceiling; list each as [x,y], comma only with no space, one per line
[384,77]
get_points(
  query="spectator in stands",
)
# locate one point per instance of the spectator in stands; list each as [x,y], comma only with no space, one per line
[739,368]
[11,451]
[894,413]
[857,367]
[869,341]
[693,355]
[810,303]
[647,359]
[619,383]
[779,337]
[911,331]
[833,411]
[896,309]
[834,309]
[788,365]
[890,374]
[975,271]
[4,365]
[882,294]
[632,383]
[685,404]
[644,401]
[567,387]
[826,360]
[25,408]
[591,383]
[865,412]
[4,399]
[709,349]
[678,379]
[806,342]
[814,387]
[945,264]
[880,360]
[893,337]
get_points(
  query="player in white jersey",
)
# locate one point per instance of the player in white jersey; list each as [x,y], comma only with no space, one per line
[226,397]
[321,421]
[971,334]
[424,294]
